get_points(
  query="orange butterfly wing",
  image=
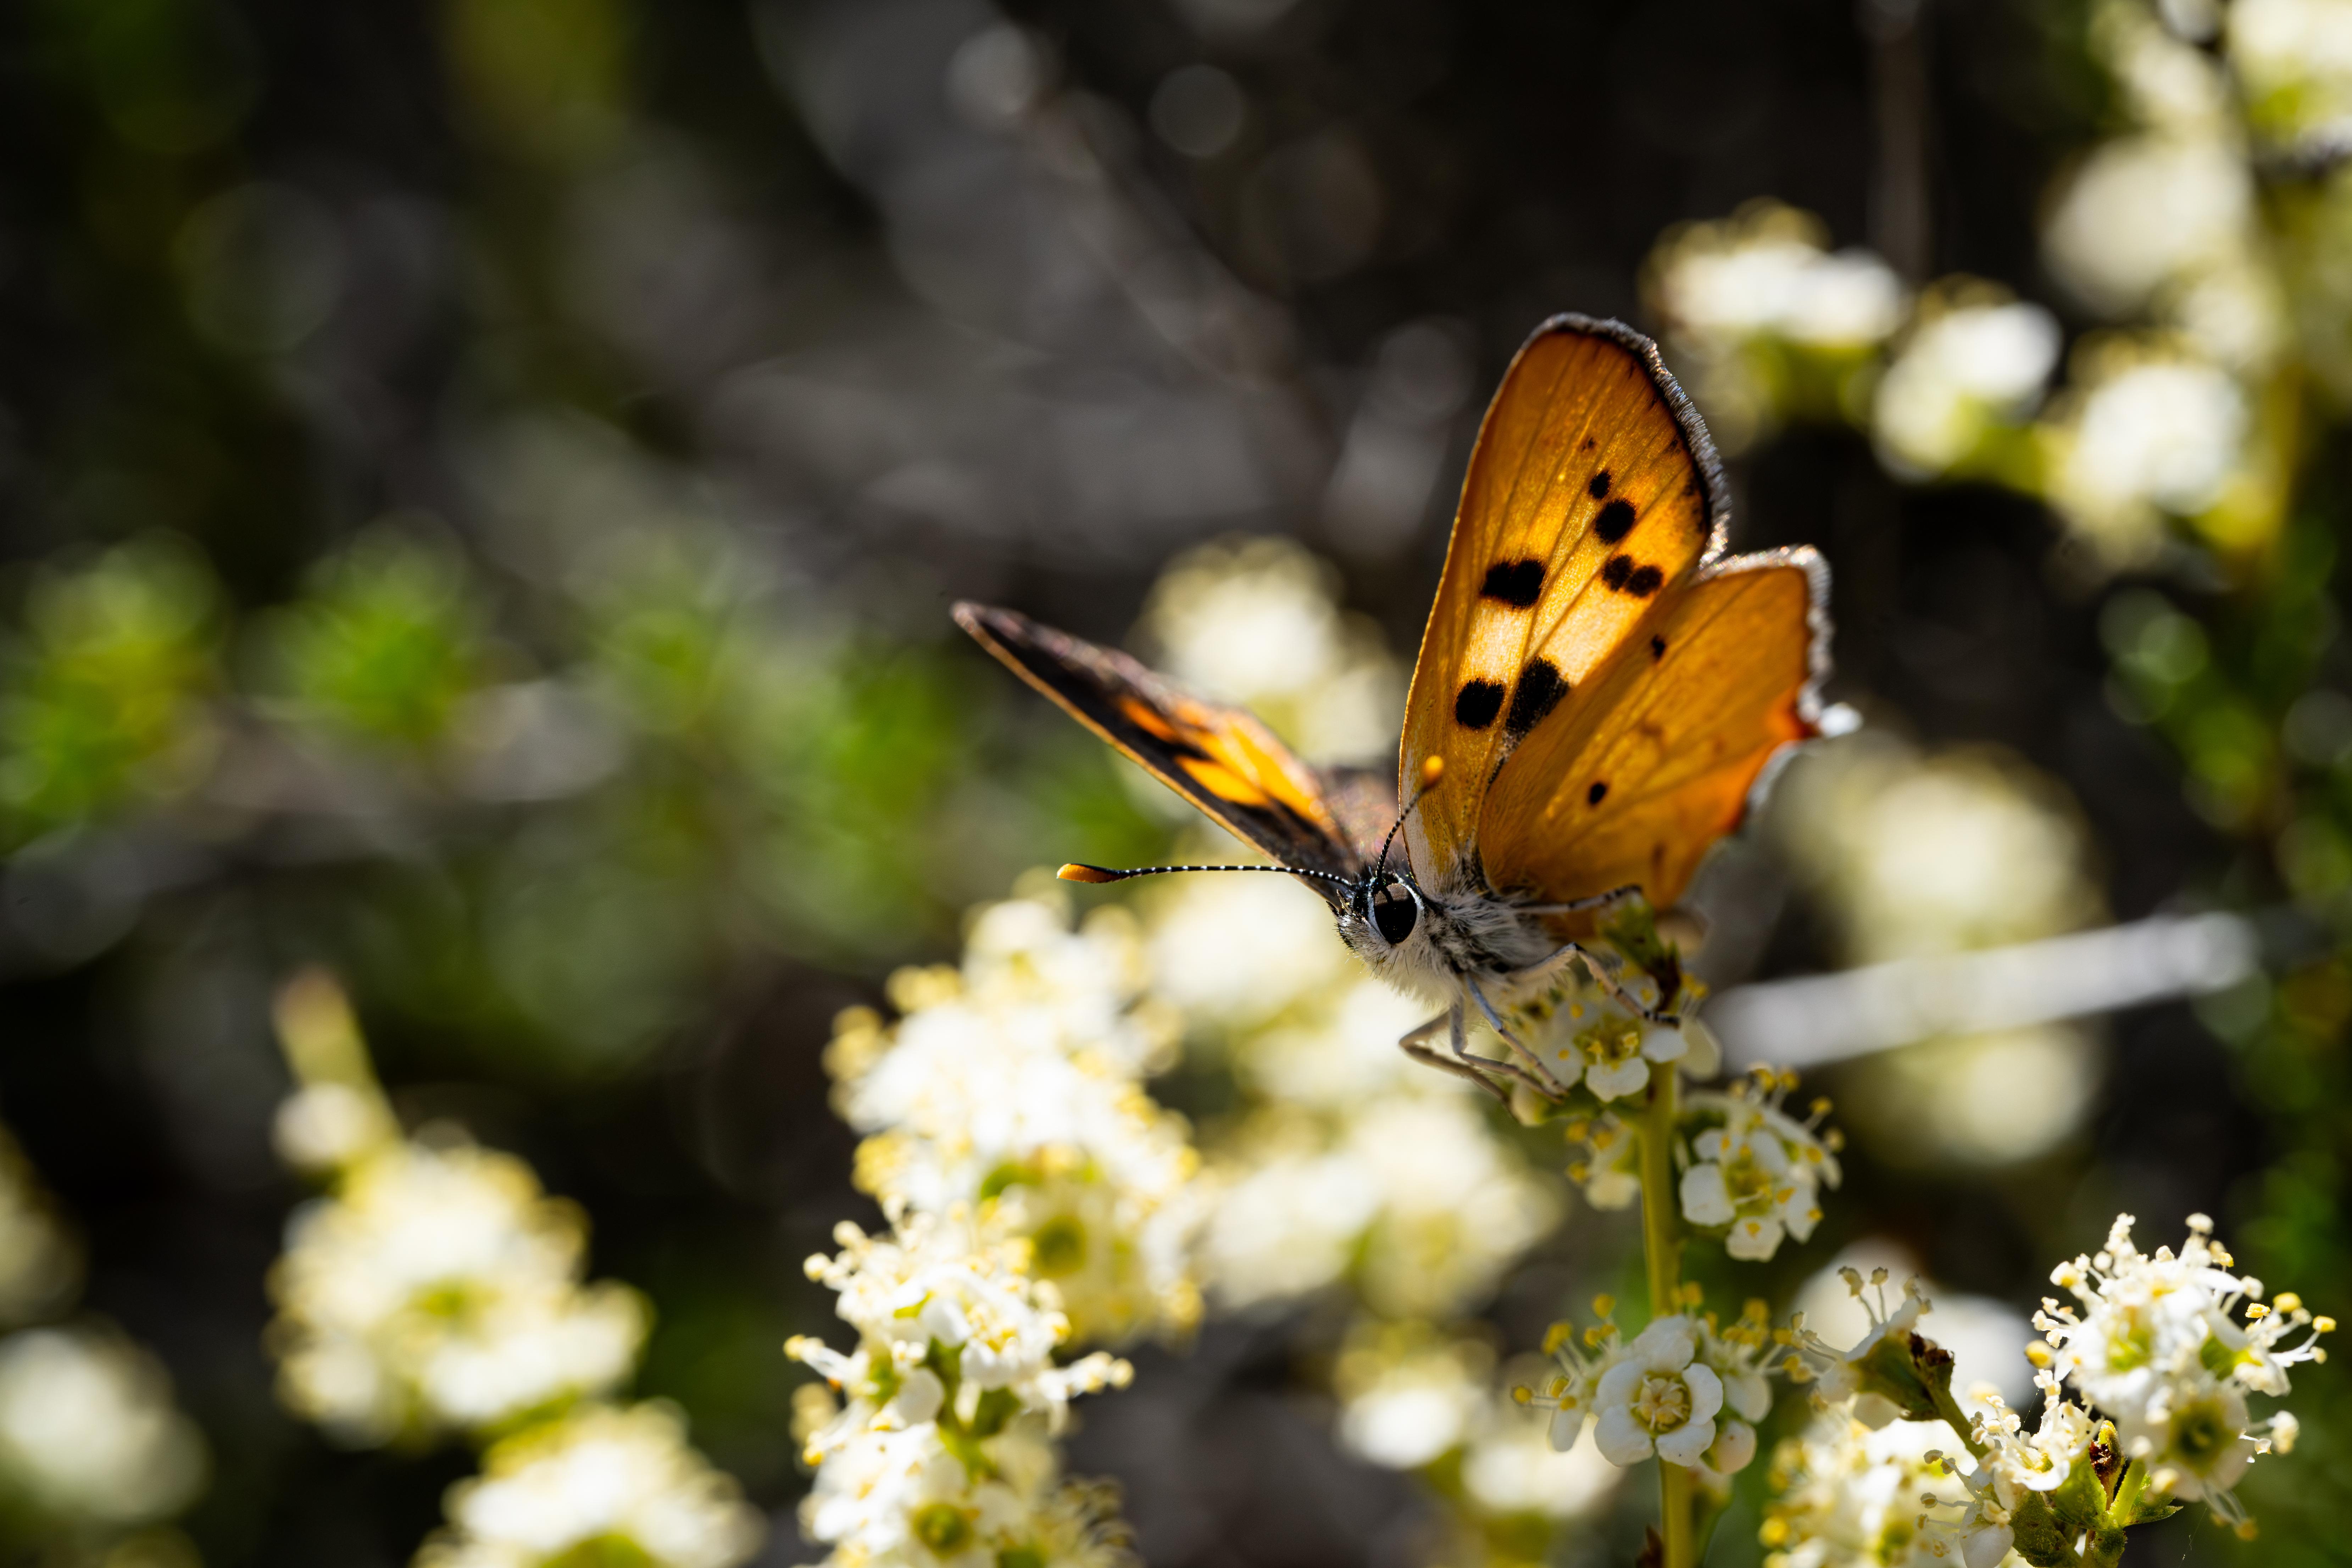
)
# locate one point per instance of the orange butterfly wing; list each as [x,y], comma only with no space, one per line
[1657,758]
[1222,759]
[1593,491]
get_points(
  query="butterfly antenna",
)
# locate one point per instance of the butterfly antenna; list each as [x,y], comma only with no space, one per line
[1074,872]
[1433,768]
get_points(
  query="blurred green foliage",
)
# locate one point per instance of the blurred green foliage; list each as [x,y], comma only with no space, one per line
[105,686]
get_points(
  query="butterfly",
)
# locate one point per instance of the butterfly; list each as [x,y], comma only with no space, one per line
[1602,693]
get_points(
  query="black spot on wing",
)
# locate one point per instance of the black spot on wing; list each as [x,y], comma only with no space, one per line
[1598,486]
[1517,583]
[1615,522]
[1475,705]
[1644,582]
[1657,647]
[1588,445]
[1615,570]
[1540,690]
[1597,794]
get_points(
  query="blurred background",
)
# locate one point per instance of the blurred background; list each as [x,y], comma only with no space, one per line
[481,485]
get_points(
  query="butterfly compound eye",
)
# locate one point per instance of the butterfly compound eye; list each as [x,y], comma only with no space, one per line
[1394,912]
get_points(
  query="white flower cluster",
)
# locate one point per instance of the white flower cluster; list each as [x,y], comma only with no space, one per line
[1036,1196]
[1766,320]
[1010,1087]
[1848,1495]
[941,1445]
[1755,1171]
[436,1288]
[2166,420]
[2161,1350]
[89,1433]
[2293,59]
[1686,1389]
[1969,373]
[598,1485]
[2170,1346]
[91,1442]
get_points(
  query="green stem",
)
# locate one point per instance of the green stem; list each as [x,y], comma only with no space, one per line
[1662,1254]
[1949,1409]
[1661,1237]
[2105,1547]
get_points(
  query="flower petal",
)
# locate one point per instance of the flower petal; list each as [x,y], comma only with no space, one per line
[1566,1428]
[1623,1439]
[1667,1344]
[1617,1384]
[1754,1240]
[1688,1445]
[1749,1395]
[1706,1199]
[1618,1080]
[1660,1044]
[1705,1392]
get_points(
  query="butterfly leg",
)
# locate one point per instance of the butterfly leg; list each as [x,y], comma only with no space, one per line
[1548,1083]
[1460,1062]
[1602,976]
[1578,906]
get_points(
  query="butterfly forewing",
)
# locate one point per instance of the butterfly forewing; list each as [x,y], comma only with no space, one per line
[1220,759]
[1592,494]
[1657,758]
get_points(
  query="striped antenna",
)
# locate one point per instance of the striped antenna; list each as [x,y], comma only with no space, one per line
[1074,872]
[1433,768]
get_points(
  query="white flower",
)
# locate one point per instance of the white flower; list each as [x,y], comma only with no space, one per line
[1568,1397]
[1739,1353]
[1408,1394]
[1511,1467]
[2294,59]
[1009,1088]
[902,1500]
[1413,1191]
[2147,1319]
[438,1289]
[1851,1496]
[1962,372]
[2019,1462]
[1610,1172]
[2169,433]
[1751,279]
[1657,1398]
[1840,1371]
[1758,1173]
[2159,1345]
[2145,211]
[619,1485]
[1612,1051]
[935,1282]
[88,1429]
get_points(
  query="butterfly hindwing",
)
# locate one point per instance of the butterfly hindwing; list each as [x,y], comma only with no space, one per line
[1222,759]
[1592,494]
[1657,758]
